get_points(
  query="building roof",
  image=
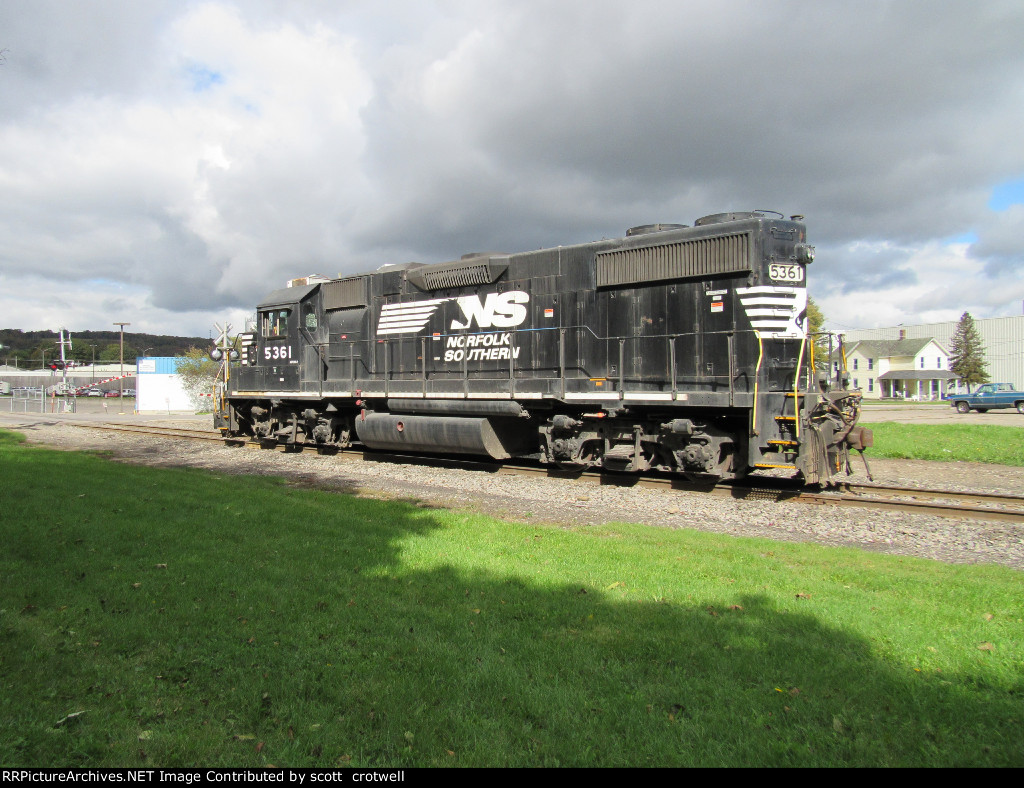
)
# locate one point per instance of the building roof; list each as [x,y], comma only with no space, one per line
[888,348]
[918,374]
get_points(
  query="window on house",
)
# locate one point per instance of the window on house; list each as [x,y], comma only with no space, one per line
[938,362]
[856,384]
[922,362]
[855,363]
[871,363]
[871,384]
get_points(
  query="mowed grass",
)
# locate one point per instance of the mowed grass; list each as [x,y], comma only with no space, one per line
[175,618]
[954,442]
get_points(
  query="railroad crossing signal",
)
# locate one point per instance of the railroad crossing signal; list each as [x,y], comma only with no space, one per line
[224,347]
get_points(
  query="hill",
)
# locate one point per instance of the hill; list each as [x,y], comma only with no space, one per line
[26,346]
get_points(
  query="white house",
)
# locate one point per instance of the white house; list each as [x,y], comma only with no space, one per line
[908,368]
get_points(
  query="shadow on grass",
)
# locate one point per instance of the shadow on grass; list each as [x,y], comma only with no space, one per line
[205,621]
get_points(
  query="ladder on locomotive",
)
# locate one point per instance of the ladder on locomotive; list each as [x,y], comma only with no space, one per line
[781,452]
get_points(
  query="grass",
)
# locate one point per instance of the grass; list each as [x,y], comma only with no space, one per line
[954,442]
[176,618]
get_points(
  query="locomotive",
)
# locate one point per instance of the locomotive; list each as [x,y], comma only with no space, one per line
[676,348]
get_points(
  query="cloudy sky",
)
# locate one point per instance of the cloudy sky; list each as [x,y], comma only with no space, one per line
[168,162]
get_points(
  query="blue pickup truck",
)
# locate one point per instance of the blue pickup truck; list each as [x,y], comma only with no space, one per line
[988,396]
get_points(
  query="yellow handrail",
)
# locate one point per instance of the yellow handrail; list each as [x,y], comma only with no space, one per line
[757,376]
[811,381]
[796,386]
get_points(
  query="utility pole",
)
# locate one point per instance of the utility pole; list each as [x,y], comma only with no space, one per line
[120,382]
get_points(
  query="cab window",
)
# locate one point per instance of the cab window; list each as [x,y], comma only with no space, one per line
[310,316]
[275,322]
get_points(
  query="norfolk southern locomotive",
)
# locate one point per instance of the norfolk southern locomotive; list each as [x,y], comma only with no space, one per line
[676,348]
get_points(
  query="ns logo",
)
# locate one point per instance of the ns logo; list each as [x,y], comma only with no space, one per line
[498,310]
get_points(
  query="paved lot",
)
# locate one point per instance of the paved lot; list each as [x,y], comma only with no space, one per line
[98,409]
[937,413]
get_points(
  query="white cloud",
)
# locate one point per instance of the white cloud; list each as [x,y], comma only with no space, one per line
[944,281]
[200,197]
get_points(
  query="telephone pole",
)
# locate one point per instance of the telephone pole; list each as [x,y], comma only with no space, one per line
[120,382]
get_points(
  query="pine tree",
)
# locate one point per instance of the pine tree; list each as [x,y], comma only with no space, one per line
[967,355]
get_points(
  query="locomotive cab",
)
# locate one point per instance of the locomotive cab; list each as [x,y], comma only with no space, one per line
[280,366]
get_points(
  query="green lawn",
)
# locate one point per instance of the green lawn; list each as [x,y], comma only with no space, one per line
[948,443]
[176,618]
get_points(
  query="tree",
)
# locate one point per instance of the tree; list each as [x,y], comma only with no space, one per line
[967,355]
[198,373]
[815,321]
[112,352]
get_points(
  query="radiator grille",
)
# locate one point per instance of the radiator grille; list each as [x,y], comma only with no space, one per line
[701,257]
[482,270]
[343,293]
[458,277]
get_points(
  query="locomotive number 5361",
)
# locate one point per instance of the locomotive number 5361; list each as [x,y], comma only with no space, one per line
[277,351]
[785,273]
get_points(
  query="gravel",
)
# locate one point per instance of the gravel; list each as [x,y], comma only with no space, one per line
[553,501]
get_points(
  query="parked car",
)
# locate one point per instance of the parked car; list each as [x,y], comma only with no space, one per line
[112,394]
[94,393]
[988,396]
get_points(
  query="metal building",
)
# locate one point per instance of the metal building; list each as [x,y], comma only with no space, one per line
[159,386]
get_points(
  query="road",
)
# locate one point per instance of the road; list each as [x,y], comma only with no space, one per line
[936,413]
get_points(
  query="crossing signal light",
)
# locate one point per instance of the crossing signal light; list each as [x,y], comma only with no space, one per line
[56,365]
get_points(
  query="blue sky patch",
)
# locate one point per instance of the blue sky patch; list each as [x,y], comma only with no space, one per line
[969,237]
[204,78]
[1006,194]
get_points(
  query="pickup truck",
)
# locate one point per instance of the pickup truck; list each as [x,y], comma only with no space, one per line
[988,396]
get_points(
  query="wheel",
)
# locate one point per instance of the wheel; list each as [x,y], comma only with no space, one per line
[963,407]
[1020,407]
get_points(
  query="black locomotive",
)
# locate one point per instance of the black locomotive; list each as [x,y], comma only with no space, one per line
[677,348]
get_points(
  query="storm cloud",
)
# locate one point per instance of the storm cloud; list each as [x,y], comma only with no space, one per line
[171,162]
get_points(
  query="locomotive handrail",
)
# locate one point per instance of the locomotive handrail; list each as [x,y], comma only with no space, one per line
[757,380]
[374,362]
[796,388]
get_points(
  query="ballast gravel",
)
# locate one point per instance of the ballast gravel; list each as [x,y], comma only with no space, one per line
[560,502]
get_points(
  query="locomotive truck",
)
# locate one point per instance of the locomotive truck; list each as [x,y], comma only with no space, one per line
[677,348]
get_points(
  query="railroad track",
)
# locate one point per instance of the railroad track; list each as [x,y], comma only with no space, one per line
[944,503]
[145,429]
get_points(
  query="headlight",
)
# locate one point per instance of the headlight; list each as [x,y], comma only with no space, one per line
[804,254]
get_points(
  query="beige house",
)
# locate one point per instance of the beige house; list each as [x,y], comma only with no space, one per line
[916,369]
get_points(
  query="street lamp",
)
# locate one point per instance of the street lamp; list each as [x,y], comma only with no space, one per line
[120,382]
